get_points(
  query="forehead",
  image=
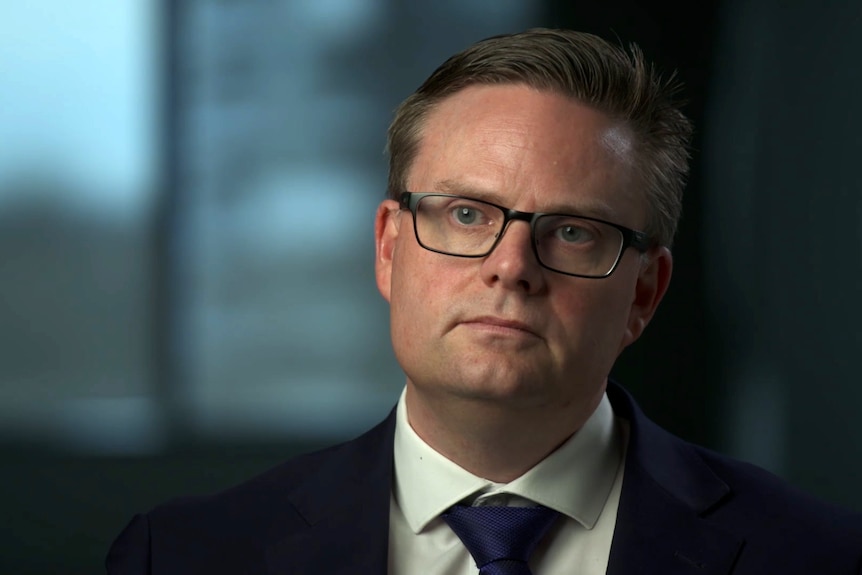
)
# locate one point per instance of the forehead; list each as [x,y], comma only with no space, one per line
[528,149]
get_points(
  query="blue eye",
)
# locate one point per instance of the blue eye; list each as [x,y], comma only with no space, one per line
[573,234]
[466,215]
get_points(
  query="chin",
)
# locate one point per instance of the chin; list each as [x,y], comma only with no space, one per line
[503,386]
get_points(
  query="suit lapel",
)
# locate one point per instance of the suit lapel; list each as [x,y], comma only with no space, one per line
[661,527]
[667,492]
[345,504]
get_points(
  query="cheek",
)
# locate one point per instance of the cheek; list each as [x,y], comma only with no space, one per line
[413,290]
[419,308]
[426,279]
[591,316]
[408,276]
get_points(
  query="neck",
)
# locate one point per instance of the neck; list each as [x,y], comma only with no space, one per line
[492,439]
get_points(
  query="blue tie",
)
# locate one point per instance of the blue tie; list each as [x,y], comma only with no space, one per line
[500,539]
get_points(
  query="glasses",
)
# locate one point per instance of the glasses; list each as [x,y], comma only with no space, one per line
[571,245]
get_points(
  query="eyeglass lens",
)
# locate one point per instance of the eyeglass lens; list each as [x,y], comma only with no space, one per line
[461,226]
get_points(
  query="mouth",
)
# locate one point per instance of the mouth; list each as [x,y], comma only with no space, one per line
[500,325]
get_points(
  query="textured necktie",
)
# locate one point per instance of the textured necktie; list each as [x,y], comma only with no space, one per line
[500,539]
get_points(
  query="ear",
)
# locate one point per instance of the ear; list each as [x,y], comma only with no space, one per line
[386,228]
[653,281]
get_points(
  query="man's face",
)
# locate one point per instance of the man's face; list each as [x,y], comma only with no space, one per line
[502,328]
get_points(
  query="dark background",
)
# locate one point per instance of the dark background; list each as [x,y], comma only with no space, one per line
[754,351]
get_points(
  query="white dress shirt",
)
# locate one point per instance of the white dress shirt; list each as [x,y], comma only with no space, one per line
[581,480]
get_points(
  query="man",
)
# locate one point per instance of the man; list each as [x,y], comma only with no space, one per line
[534,189]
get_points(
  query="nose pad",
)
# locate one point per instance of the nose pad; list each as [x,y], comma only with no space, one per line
[512,263]
[500,237]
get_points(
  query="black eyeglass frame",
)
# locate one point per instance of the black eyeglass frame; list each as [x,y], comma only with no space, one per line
[631,238]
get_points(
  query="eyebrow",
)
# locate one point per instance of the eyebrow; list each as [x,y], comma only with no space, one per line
[591,208]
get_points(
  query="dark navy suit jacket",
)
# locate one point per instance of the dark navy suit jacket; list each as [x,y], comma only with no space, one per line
[683,510]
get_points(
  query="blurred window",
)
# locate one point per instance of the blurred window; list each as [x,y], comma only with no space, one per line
[78,87]
[186,208]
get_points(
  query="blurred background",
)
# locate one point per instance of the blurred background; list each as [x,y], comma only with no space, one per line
[187,190]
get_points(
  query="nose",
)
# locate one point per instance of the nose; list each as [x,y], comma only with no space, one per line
[513,264]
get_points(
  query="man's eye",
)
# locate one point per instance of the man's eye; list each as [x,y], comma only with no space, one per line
[574,234]
[465,215]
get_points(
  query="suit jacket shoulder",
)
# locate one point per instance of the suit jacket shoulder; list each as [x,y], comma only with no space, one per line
[328,507]
[685,507]
[683,510]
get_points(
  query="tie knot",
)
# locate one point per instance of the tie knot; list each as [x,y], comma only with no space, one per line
[507,534]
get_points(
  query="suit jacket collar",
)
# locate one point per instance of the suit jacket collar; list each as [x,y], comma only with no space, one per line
[668,491]
[345,502]
[661,523]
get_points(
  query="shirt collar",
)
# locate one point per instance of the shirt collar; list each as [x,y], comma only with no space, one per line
[575,479]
